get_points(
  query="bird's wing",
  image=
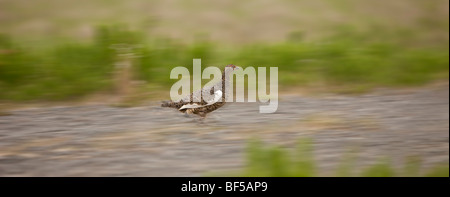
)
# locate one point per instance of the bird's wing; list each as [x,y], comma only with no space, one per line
[190,106]
[200,95]
[217,97]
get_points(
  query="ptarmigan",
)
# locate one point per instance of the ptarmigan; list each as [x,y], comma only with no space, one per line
[219,90]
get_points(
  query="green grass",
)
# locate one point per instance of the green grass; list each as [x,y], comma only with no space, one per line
[274,161]
[64,71]
[349,63]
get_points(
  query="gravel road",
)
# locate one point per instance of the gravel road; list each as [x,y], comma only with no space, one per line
[100,140]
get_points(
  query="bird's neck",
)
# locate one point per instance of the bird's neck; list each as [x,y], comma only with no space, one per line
[224,75]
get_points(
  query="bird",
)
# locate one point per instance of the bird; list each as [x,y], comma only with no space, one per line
[206,105]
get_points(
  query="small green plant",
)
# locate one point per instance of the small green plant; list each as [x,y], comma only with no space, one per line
[274,161]
[277,162]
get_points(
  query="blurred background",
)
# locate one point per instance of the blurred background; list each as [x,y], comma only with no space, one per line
[363,88]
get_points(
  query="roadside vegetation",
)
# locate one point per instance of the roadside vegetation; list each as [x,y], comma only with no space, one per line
[348,64]
[341,46]
[274,161]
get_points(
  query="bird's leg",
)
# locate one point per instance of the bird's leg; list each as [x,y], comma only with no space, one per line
[202,118]
[202,114]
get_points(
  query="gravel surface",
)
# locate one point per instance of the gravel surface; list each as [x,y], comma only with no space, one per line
[100,140]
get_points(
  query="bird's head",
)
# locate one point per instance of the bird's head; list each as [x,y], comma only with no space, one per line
[232,66]
[229,69]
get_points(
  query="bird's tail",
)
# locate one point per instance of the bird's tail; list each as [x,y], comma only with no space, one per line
[166,103]
[170,104]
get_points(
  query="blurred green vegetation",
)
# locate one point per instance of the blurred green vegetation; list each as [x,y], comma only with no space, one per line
[64,71]
[345,62]
[274,161]
[343,46]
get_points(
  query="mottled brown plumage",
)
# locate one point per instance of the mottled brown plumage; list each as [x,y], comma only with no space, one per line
[204,106]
